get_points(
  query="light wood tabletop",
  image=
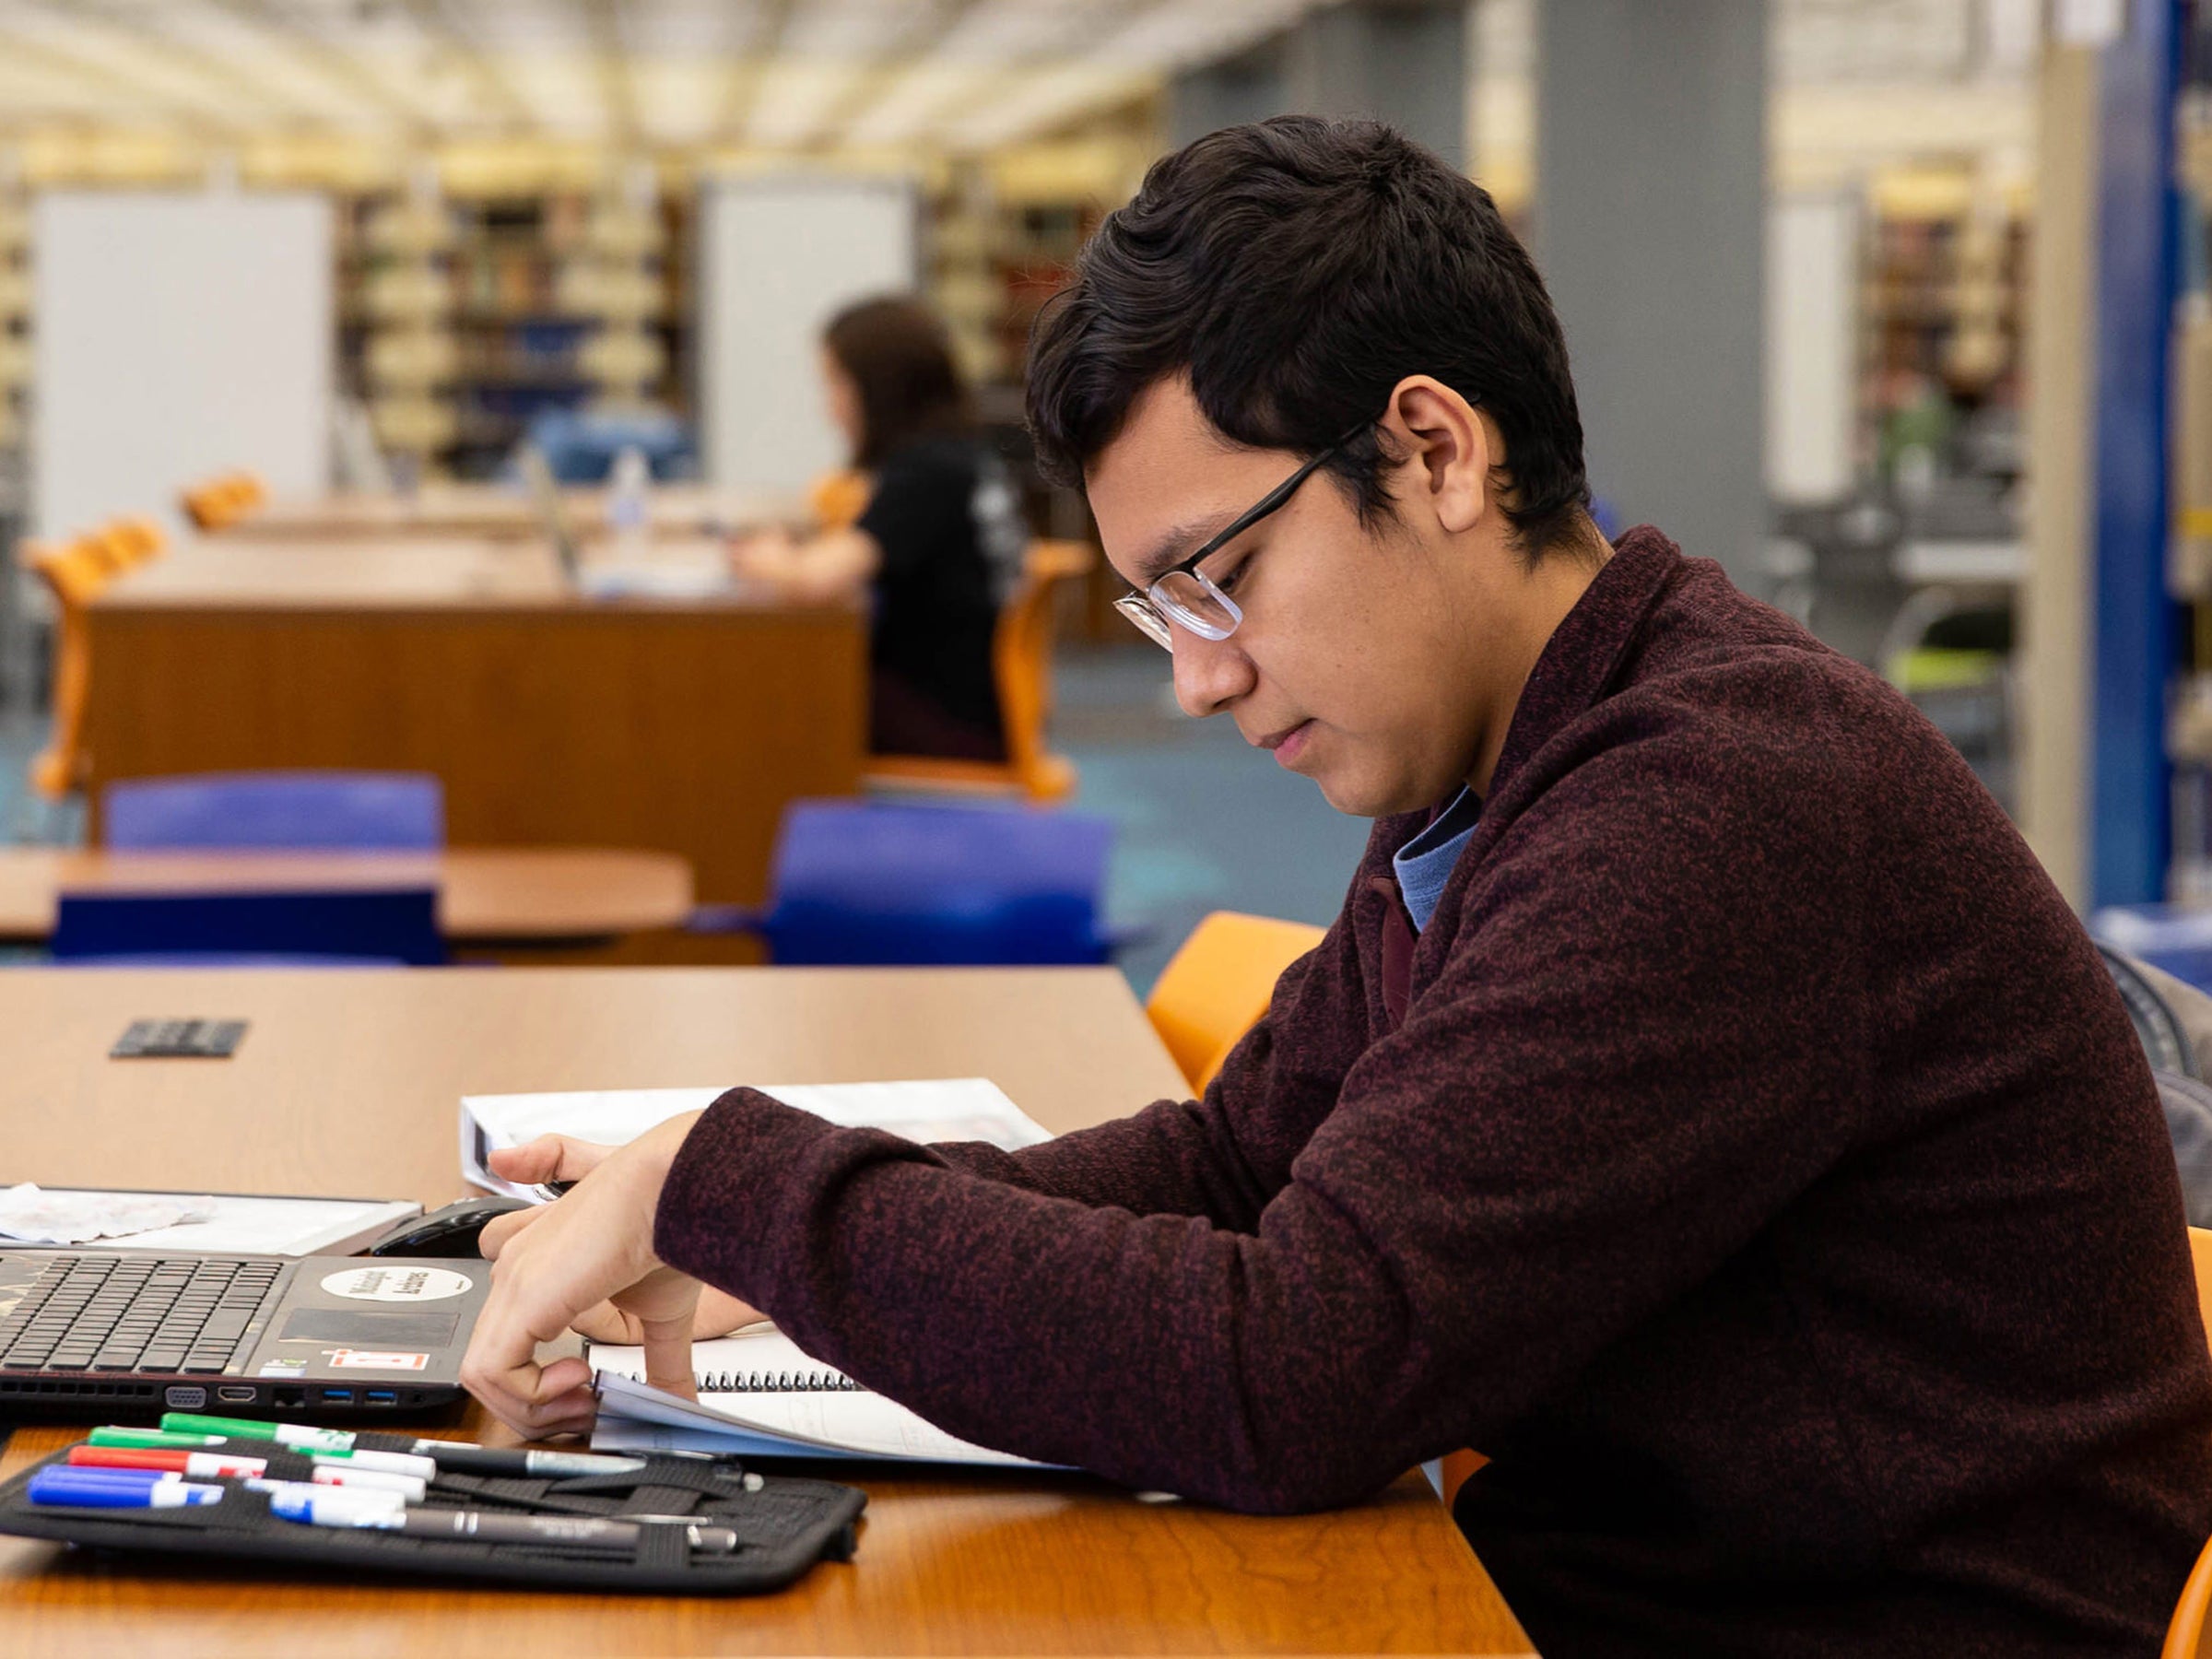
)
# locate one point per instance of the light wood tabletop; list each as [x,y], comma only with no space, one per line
[395,571]
[502,895]
[350,1082]
[495,510]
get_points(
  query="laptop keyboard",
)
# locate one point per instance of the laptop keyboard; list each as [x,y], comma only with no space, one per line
[184,1315]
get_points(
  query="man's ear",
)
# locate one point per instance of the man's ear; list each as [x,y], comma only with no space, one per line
[1446,452]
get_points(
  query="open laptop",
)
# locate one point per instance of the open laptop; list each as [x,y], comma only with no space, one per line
[136,1332]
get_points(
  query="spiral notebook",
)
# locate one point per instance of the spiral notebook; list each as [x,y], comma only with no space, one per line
[761,1395]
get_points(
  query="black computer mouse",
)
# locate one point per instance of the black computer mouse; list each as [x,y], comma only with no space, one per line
[450,1232]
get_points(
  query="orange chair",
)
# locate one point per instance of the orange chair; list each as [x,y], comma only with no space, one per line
[1021,662]
[2185,1634]
[223,502]
[1217,984]
[836,500]
[125,543]
[73,573]
[207,506]
[140,538]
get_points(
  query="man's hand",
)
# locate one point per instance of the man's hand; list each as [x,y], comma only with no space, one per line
[563,1157]
[555,1264]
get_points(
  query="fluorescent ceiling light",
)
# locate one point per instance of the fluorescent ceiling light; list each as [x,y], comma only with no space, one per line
[797,95]
[679,101]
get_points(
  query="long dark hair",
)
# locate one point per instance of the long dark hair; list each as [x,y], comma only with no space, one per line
[901,360]
[1296,270]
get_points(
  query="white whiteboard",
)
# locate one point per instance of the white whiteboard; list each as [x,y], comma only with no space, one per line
[777,257]
[179,336]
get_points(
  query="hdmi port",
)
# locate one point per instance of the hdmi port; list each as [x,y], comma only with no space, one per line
[235,1392]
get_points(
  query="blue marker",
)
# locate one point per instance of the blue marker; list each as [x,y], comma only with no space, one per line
[371,1501]
[78,1491]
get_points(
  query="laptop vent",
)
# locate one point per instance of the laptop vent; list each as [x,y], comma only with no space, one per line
[18,1388]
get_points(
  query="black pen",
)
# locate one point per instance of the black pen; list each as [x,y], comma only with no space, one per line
[579,1532]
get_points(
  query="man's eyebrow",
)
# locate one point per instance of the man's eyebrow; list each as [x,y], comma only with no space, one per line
[1177,545]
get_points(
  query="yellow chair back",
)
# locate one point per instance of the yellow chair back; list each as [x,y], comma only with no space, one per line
[224,501]
[2185,1633]
[1217,984]
[1021,665]
[125,543]
[73,573]
[836,500]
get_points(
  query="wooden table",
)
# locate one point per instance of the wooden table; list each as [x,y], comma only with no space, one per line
[681,725]
[487,896]
[351,1079]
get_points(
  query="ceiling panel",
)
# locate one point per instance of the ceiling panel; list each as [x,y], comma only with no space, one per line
[795,73]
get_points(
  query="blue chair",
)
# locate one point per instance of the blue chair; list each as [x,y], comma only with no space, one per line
[393,925]
[873,882]
[326,811]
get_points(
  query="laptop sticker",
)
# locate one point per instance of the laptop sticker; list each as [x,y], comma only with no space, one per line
[363,1359]
[397,1284]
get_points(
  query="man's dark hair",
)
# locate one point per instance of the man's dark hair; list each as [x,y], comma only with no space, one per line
[900,362]
[1297,269]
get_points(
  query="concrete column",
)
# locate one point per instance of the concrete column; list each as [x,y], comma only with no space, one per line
[2054,676]
[1400,61]
[1650,226]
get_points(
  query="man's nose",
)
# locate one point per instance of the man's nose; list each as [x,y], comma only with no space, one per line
[1209,674]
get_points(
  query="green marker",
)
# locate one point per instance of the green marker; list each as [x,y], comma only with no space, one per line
[182,1429]
[325,1445]
[295,1435]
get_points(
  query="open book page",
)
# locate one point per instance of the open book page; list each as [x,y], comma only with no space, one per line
[723,1439]
[797,1425]
[947,1109]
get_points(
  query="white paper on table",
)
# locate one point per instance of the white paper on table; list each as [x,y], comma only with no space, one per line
[654,582]
[223,1223]
[937,1108]
[32,1215]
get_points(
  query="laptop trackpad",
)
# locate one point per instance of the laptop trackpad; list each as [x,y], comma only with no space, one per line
[381,1330]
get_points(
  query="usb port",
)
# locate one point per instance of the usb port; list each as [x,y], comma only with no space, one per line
[337,1397]
[379,1396]
[235,1391]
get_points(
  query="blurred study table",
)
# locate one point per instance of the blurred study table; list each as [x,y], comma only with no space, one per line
[349,1081]
[495,510]
[487,896]
[680,718]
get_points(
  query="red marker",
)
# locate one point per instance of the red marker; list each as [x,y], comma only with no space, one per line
[182,1463]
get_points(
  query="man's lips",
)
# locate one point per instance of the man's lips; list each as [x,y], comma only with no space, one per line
[1275,740]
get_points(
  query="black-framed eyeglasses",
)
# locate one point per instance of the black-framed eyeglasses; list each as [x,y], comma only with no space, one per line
[1186,596]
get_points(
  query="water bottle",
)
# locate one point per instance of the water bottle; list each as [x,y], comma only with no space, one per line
[628,512]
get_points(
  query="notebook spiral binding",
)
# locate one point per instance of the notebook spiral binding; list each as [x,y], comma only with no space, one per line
[804,1381]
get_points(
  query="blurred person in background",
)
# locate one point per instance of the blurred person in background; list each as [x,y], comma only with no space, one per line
[928,526]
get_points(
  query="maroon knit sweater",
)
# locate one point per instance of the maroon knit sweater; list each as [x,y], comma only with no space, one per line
[1758,1166]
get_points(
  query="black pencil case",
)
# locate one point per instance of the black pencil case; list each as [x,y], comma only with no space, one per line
[784,1524]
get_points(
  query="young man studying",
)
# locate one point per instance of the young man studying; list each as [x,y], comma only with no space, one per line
[1703,1105]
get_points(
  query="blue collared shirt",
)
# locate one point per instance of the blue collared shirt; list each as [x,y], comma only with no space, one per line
[1424,864]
